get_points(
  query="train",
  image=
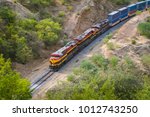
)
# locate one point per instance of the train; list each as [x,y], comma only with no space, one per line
[64,54]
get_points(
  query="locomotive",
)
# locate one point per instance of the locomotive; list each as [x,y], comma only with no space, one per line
[64,54]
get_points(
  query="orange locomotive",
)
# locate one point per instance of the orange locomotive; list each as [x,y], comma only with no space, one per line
[64,54]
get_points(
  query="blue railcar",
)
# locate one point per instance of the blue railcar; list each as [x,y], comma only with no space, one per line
[132,9]
[114,18]
[123,13]
[141,5]
[147,3]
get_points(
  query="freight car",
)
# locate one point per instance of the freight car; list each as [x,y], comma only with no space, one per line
[114,18]
[64,54]
[147,4]
[132,9]
[141,5]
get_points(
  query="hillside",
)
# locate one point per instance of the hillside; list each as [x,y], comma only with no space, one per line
[30,30]
[72,18]
[120,69]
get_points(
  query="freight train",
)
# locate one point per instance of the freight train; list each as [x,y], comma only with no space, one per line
[64,54]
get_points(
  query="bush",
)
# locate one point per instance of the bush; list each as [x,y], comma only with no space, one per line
[123,81]
[111,46]
[146,60]
[61,14]
[133,42]
[12,85]
[48,31]
[107,38]
[121,2]
[144,29]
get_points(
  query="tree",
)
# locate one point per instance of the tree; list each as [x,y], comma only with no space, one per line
[101,78]
[7,14]
[12,85]
[23,52]
[48,31]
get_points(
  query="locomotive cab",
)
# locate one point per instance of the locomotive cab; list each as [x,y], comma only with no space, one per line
[59,57]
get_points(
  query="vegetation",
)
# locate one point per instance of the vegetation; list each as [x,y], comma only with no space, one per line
[20,38]
[48,31]
[12,85]
[144,28]
[101,78]
[121,2]
[107,38]
[146,60]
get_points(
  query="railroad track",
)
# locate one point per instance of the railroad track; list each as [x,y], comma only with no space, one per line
[36,85]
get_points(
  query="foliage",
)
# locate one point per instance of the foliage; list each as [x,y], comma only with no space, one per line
[48,31]
[111,46]
[12,85]
[121,2]
[133,42]
[100,78]
[144,29]
[146,60]
[23,52]
[20,38]
[107,38]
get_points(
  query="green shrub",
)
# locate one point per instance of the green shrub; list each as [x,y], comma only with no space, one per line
[121,2]
[138,12]
[133,42]
[146,60]
[111,46]
[48,31]
[61,14]
[12,85]
[70,78]
[107,38]
[144,29]
[121,82]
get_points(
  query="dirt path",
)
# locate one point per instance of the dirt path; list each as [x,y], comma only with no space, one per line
[122,37]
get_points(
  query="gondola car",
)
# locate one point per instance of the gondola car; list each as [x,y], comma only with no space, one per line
[102,26]
[141,5]
[132,9]
[147,4]
[62,55]
[123,13]
[114,18]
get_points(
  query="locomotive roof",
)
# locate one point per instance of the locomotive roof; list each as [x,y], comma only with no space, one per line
[114,12]
[62,50]
[80,37]
[101,23]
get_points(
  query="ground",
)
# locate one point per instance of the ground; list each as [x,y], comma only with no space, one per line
[123,46]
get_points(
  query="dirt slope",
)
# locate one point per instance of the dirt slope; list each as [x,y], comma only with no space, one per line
[85,14]
[122,39]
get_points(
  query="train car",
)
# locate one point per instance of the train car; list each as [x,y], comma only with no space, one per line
[83,39]
[141,5]
[62,55]
[123,13]
[147,4]
[132,10]
[102,26]
[114,18]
